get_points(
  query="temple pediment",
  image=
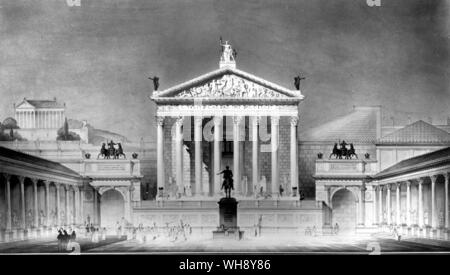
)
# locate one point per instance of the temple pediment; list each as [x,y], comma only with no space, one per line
[228,83]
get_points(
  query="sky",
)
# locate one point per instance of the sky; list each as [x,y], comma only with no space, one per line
[97,57]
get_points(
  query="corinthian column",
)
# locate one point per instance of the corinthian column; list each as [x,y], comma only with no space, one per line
[294,158]
[160,153]
[179,153]
[420,199]
[8,203]
[67,205]
[47,202]
[255,172]
[388,203]
[408,203]
[217,153]
[380,205]
[58,204]
[236,154]
[275,120]
[433,202]
[446,221]
[397,204]
[35,203]
[22,201]
[198,155]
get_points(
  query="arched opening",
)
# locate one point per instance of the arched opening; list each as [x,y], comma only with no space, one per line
[112,208]
[344,211]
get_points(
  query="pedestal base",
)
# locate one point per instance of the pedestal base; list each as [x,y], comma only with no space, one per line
[234,234]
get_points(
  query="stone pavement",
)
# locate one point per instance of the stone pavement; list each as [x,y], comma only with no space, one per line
[266,244]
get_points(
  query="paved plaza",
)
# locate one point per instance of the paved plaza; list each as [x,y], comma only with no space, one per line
[265,244]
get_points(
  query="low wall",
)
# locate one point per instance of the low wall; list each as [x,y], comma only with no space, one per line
[275,216]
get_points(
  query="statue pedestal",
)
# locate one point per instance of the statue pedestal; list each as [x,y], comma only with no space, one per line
[228,228]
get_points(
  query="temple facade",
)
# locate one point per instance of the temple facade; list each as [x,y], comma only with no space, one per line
[227,117]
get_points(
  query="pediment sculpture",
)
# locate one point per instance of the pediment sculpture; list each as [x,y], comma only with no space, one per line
[230,86]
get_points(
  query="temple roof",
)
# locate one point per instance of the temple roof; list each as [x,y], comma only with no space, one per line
[432,159]
[48,104]
[358,126]
[418,133]
[234,85]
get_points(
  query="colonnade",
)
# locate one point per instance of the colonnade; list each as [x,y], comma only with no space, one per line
[202,188]
[412,213]
[63,213]
[40,118]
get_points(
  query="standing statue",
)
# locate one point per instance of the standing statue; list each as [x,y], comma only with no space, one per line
[297,81]
[227,184]
[155,82]
[228,54]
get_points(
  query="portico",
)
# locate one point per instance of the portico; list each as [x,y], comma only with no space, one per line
[419,187]
[227,118]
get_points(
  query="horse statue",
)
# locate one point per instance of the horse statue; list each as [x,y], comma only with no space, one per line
[103,151]
[343,150]
[351,152]
[111,150]
[119,152]
[227,185]
[336,152]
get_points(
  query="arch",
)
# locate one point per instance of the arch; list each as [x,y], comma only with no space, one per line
[344,210]
[351,189]
[112,207]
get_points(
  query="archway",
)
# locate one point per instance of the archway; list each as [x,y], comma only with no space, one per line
[344,211]
[112,208]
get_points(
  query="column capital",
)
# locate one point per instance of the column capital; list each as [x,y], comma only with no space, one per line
[21,179]
[160,120]
[7,176]
[237,120]
[198,120]
[255,120]
[46,183]
[434,177]
[294,120]
[34,180]
[408,183]
[420,181]
[446,176]
[275,120]
[179,121]
[217,120]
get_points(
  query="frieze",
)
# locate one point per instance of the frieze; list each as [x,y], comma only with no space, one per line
[227,110]
[230,86]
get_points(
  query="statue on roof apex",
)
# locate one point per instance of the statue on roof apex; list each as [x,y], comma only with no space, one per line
[228,54]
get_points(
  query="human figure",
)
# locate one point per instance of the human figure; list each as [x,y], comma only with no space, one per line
[281,190]
[155,82]
[60,240]
[336,228]
[227,181]
[297,81]
[314,231]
